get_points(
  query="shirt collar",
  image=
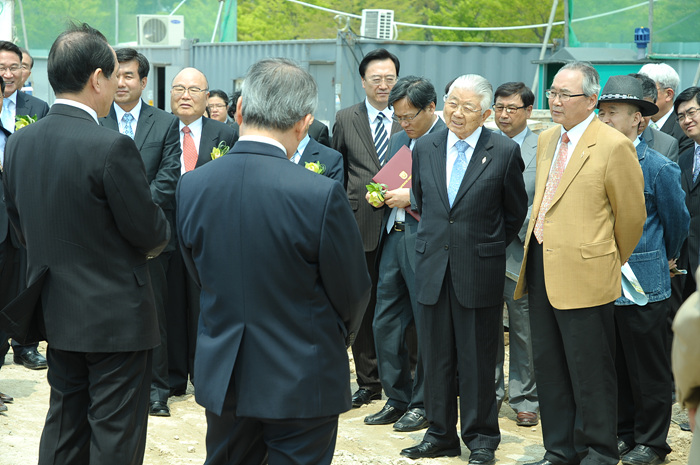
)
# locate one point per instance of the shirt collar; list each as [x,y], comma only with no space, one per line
[663,119]
[373,112]
[264,140]
[76,104]
[302,145]
[519,138]
[195,125]
[472,139]
[12,98]
[577,131]
[135,112]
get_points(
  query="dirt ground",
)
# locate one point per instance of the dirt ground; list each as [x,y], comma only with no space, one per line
[179,439]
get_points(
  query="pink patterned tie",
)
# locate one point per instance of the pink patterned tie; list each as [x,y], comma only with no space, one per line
[552,184]
[189,152]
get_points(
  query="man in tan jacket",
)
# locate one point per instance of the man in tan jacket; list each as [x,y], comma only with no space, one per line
[587,216]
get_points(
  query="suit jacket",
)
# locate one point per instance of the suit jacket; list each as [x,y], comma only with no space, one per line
[333,160]
[671,127]
[686,352]
[213,132]
[4,221]
[514,251]
[661,142]
[78,197]
[284,281]
[319,132]
[472,235]
[352,137]
[28,105]
[158,140]
[595,219]
[397,141]
[691,248]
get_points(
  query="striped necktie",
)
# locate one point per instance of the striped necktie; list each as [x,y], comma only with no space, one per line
[458,169]
[381,139]
[126,121]
[551,186]
[696,164]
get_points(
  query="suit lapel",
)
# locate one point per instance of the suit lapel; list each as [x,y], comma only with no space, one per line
[206,143]
[481,157]
[310,152]
[144,125]
[544,164]
[439,164]
[110,121]
[21,105]
[577,159]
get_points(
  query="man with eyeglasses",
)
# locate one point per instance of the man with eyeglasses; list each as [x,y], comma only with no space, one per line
[667,82]
[513,107]
[413,100]
[27,65]
[663,143]
[17,103]
[687,107]
[155,133]
[361,135]
[199,135]
[468,188]
[587,217]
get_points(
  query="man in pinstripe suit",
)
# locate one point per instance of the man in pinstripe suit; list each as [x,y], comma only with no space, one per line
[468,187]
[354,134]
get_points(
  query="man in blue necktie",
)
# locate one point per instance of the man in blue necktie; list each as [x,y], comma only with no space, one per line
[468,187]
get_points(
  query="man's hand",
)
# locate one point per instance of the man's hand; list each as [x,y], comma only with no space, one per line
[400,198]
[367,199]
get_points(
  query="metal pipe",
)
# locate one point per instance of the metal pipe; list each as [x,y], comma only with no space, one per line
[543,50]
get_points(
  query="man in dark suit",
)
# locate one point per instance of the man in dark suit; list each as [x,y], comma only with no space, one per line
[17,103]
[319,132]
[686,107]
[284,283]
[663,143]
[88,183]
[198,137]
[513,107]
[413,100]
[667,82]
[311,151]
[155,133]
[361,134]
[468,187]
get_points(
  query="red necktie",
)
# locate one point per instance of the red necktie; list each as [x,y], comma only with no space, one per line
[189,152]
[552,184]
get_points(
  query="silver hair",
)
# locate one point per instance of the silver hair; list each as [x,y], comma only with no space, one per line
[591,78]
[477,84]
[276,94]
[662,73]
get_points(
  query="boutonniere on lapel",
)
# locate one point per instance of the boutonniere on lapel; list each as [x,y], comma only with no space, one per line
[220,150]
[315,166]
[376,193]
[24,120]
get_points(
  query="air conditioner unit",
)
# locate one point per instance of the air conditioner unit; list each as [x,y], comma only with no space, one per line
[160,29]
[378,24]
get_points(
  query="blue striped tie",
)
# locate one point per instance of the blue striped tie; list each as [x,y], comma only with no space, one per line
[696,164]
[381,140]
[458,169]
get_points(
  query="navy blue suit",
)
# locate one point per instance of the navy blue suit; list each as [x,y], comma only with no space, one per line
[284,284]
[332,159]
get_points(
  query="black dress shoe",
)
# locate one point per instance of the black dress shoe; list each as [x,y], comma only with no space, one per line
[159,409]
[5,398]
[623,447]
[364,396]
[386,416]
[31,359]
[641,455]
[482,457]
[413,420]
[429,450]
[543,462]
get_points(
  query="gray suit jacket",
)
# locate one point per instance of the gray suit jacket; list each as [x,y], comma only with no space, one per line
[514,251]
[352,137]
[663,143]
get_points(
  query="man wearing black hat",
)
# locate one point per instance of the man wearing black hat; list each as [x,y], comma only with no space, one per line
[641,360]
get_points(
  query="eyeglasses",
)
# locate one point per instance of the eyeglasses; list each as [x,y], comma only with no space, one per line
[510,110]
[466,108]
[217,106]
[13,69]
[376,80]
[689,113]
[563,97]
[405,119]
[180,90]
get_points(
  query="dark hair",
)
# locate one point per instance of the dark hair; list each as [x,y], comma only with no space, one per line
[129,54]
[379,54]
[648,86]
[419,91]
[25,53]
[234,102]
[686,96]
[6,46]
[2,86]
[512,88]
[219,93]
[75,55]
